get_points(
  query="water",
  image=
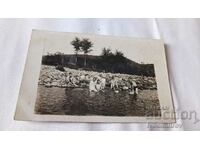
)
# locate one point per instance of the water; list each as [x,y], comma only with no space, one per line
[79,101]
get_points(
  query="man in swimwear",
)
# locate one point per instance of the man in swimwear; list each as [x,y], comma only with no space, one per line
[114,84]
[133,86]
[92,85]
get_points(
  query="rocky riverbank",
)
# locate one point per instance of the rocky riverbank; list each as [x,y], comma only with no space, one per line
[51,77]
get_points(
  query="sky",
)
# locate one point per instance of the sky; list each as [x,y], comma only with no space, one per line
[138,50]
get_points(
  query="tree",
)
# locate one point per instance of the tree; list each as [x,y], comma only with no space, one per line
[106,52]
[86,44]
[119,54]
[76,43]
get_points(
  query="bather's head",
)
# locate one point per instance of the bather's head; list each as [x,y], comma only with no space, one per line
[98,81]
[94,79]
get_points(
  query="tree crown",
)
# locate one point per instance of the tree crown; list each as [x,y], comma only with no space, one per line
[86,44]
[76,43]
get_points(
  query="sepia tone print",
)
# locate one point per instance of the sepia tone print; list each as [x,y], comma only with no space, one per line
[109,84]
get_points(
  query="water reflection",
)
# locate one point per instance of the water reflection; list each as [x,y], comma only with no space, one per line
[79,101]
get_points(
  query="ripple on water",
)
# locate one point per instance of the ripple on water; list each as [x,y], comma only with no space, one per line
[79,101]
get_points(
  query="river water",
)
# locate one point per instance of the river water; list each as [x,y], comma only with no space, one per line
[79,101]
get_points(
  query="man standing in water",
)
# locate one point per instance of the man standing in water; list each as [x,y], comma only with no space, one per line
[103,82]
[114,84]
[98,85]
[92,85]
[133,86]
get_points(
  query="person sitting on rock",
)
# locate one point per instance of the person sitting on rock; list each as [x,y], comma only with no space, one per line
[71,80]
[76,80]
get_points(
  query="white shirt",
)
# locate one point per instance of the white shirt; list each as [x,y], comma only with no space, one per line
[98,87]
[103,82]
[92,86]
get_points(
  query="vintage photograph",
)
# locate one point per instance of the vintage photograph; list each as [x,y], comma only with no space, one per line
[82,83]
[94,78]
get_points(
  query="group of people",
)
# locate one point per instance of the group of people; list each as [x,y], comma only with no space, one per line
[100,82]
[97,84]
[76,80]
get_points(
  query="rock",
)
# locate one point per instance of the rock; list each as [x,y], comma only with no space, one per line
[50,76]
[54,84]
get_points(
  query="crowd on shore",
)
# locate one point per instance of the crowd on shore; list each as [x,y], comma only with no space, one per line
[101,81]
[94,81]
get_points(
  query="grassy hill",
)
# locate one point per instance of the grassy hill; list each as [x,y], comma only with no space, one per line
[111,64]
